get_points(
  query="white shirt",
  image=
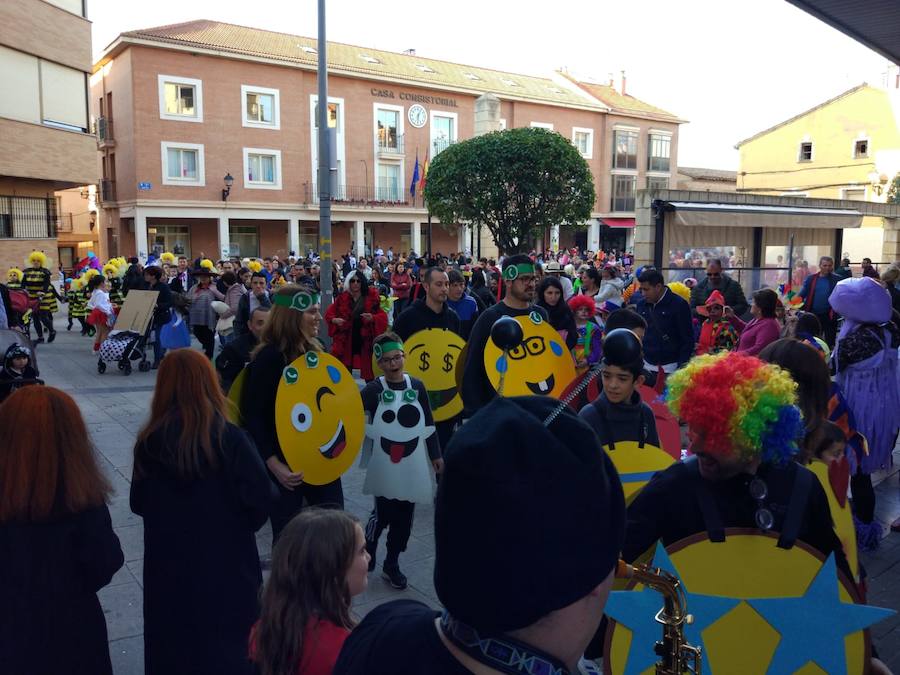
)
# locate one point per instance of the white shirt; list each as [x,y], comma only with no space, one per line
[100,300]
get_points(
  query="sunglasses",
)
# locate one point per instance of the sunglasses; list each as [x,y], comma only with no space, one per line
[355,281]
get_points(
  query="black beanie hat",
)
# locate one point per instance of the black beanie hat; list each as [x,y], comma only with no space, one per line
[528,518]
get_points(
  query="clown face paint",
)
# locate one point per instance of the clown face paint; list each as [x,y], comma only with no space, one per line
[399,467]
[319,417]
[541,365]
[431,356]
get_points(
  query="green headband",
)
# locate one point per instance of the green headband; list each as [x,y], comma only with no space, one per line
[301,300]
[380,350]
[515,271]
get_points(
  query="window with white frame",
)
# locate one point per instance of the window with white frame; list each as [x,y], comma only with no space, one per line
[336,122]
[855,194]
[180,98]
[861,148]
[542,125]
[583,139]
[387,129]
[262,169]
[389,187]
[443,131]
[657,183]
[806,152]
[658,151]
[625,142]
[260,107]
[182,163]
[623,193]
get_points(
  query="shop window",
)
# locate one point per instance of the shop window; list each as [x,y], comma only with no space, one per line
[243,241]
[174,238]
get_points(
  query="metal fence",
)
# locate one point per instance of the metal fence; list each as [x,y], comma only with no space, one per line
[28,217]
[361,195]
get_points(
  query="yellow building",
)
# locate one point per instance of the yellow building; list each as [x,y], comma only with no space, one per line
[845,148]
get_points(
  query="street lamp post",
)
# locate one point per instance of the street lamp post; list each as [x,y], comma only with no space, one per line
[325,253]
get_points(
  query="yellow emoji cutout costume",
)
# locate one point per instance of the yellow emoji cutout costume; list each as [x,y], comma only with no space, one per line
[319,417]
[539,365]
[432,356]
[757,609]
[636,464]
[234,399]
[835,480]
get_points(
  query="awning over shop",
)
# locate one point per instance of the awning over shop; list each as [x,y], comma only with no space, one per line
[618,222]
[701,214]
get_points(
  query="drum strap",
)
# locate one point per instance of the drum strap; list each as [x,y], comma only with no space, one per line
[796,508]
[712,519]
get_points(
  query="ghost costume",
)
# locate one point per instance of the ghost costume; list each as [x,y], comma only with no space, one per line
[400,445]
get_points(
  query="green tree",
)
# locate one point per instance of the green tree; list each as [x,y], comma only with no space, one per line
[516,183]
[893,196]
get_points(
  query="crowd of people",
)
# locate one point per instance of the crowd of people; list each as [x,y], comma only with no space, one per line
[530,514]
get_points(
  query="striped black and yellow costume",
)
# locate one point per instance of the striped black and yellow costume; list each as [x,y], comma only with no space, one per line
[116,297]
[36,282]
[78,307]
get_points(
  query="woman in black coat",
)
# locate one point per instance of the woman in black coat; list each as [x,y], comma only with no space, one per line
[203,492]
[57,546]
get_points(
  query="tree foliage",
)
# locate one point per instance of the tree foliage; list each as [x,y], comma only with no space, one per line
[893,196]
[515,182]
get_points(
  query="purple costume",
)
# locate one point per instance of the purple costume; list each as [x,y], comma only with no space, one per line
[866,361]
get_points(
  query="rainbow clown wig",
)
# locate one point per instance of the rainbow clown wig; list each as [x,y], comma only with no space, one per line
[743,407]
[577,302]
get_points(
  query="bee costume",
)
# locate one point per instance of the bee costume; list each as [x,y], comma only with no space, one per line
[37,281]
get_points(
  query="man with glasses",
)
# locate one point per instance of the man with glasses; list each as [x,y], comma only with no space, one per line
[520,281]
[734,479]
[717,280]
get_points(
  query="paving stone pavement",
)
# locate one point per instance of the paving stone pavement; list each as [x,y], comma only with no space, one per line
[115,406]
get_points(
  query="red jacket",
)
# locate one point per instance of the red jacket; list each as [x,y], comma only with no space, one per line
[342,336]
[401,284]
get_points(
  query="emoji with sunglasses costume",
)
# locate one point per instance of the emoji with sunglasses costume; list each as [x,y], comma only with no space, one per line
[539,365]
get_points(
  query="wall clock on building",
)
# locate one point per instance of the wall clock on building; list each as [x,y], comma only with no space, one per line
[417,116]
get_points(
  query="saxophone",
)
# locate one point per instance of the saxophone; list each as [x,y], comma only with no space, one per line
[676,655]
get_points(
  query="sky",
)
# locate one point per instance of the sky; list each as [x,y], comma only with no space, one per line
[730,68]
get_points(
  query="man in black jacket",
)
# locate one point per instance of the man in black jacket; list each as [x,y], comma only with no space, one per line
[236,354]
[717,280]
[257,297]
[431,312]
[161,313]
[669,340]
[520,281]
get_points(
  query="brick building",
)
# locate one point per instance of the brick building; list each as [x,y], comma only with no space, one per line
[179,108]
[45,59]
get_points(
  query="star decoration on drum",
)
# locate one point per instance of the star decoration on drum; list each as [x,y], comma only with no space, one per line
[813,626]
[632,612]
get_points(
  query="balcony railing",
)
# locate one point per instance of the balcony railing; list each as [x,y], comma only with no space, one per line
[360,195]
[104,130]
[389,144]
[107,190]
[28,218]
[65,222]
[438,145]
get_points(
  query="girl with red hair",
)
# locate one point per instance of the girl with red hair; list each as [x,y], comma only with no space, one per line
[57,546]
[588,349]
[203,492]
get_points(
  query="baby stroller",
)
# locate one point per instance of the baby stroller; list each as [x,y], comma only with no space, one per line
[123,347]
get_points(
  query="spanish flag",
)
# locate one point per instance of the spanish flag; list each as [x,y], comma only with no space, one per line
[424,173]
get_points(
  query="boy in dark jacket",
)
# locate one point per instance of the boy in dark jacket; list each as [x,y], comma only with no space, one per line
[619,414]
[17,370]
